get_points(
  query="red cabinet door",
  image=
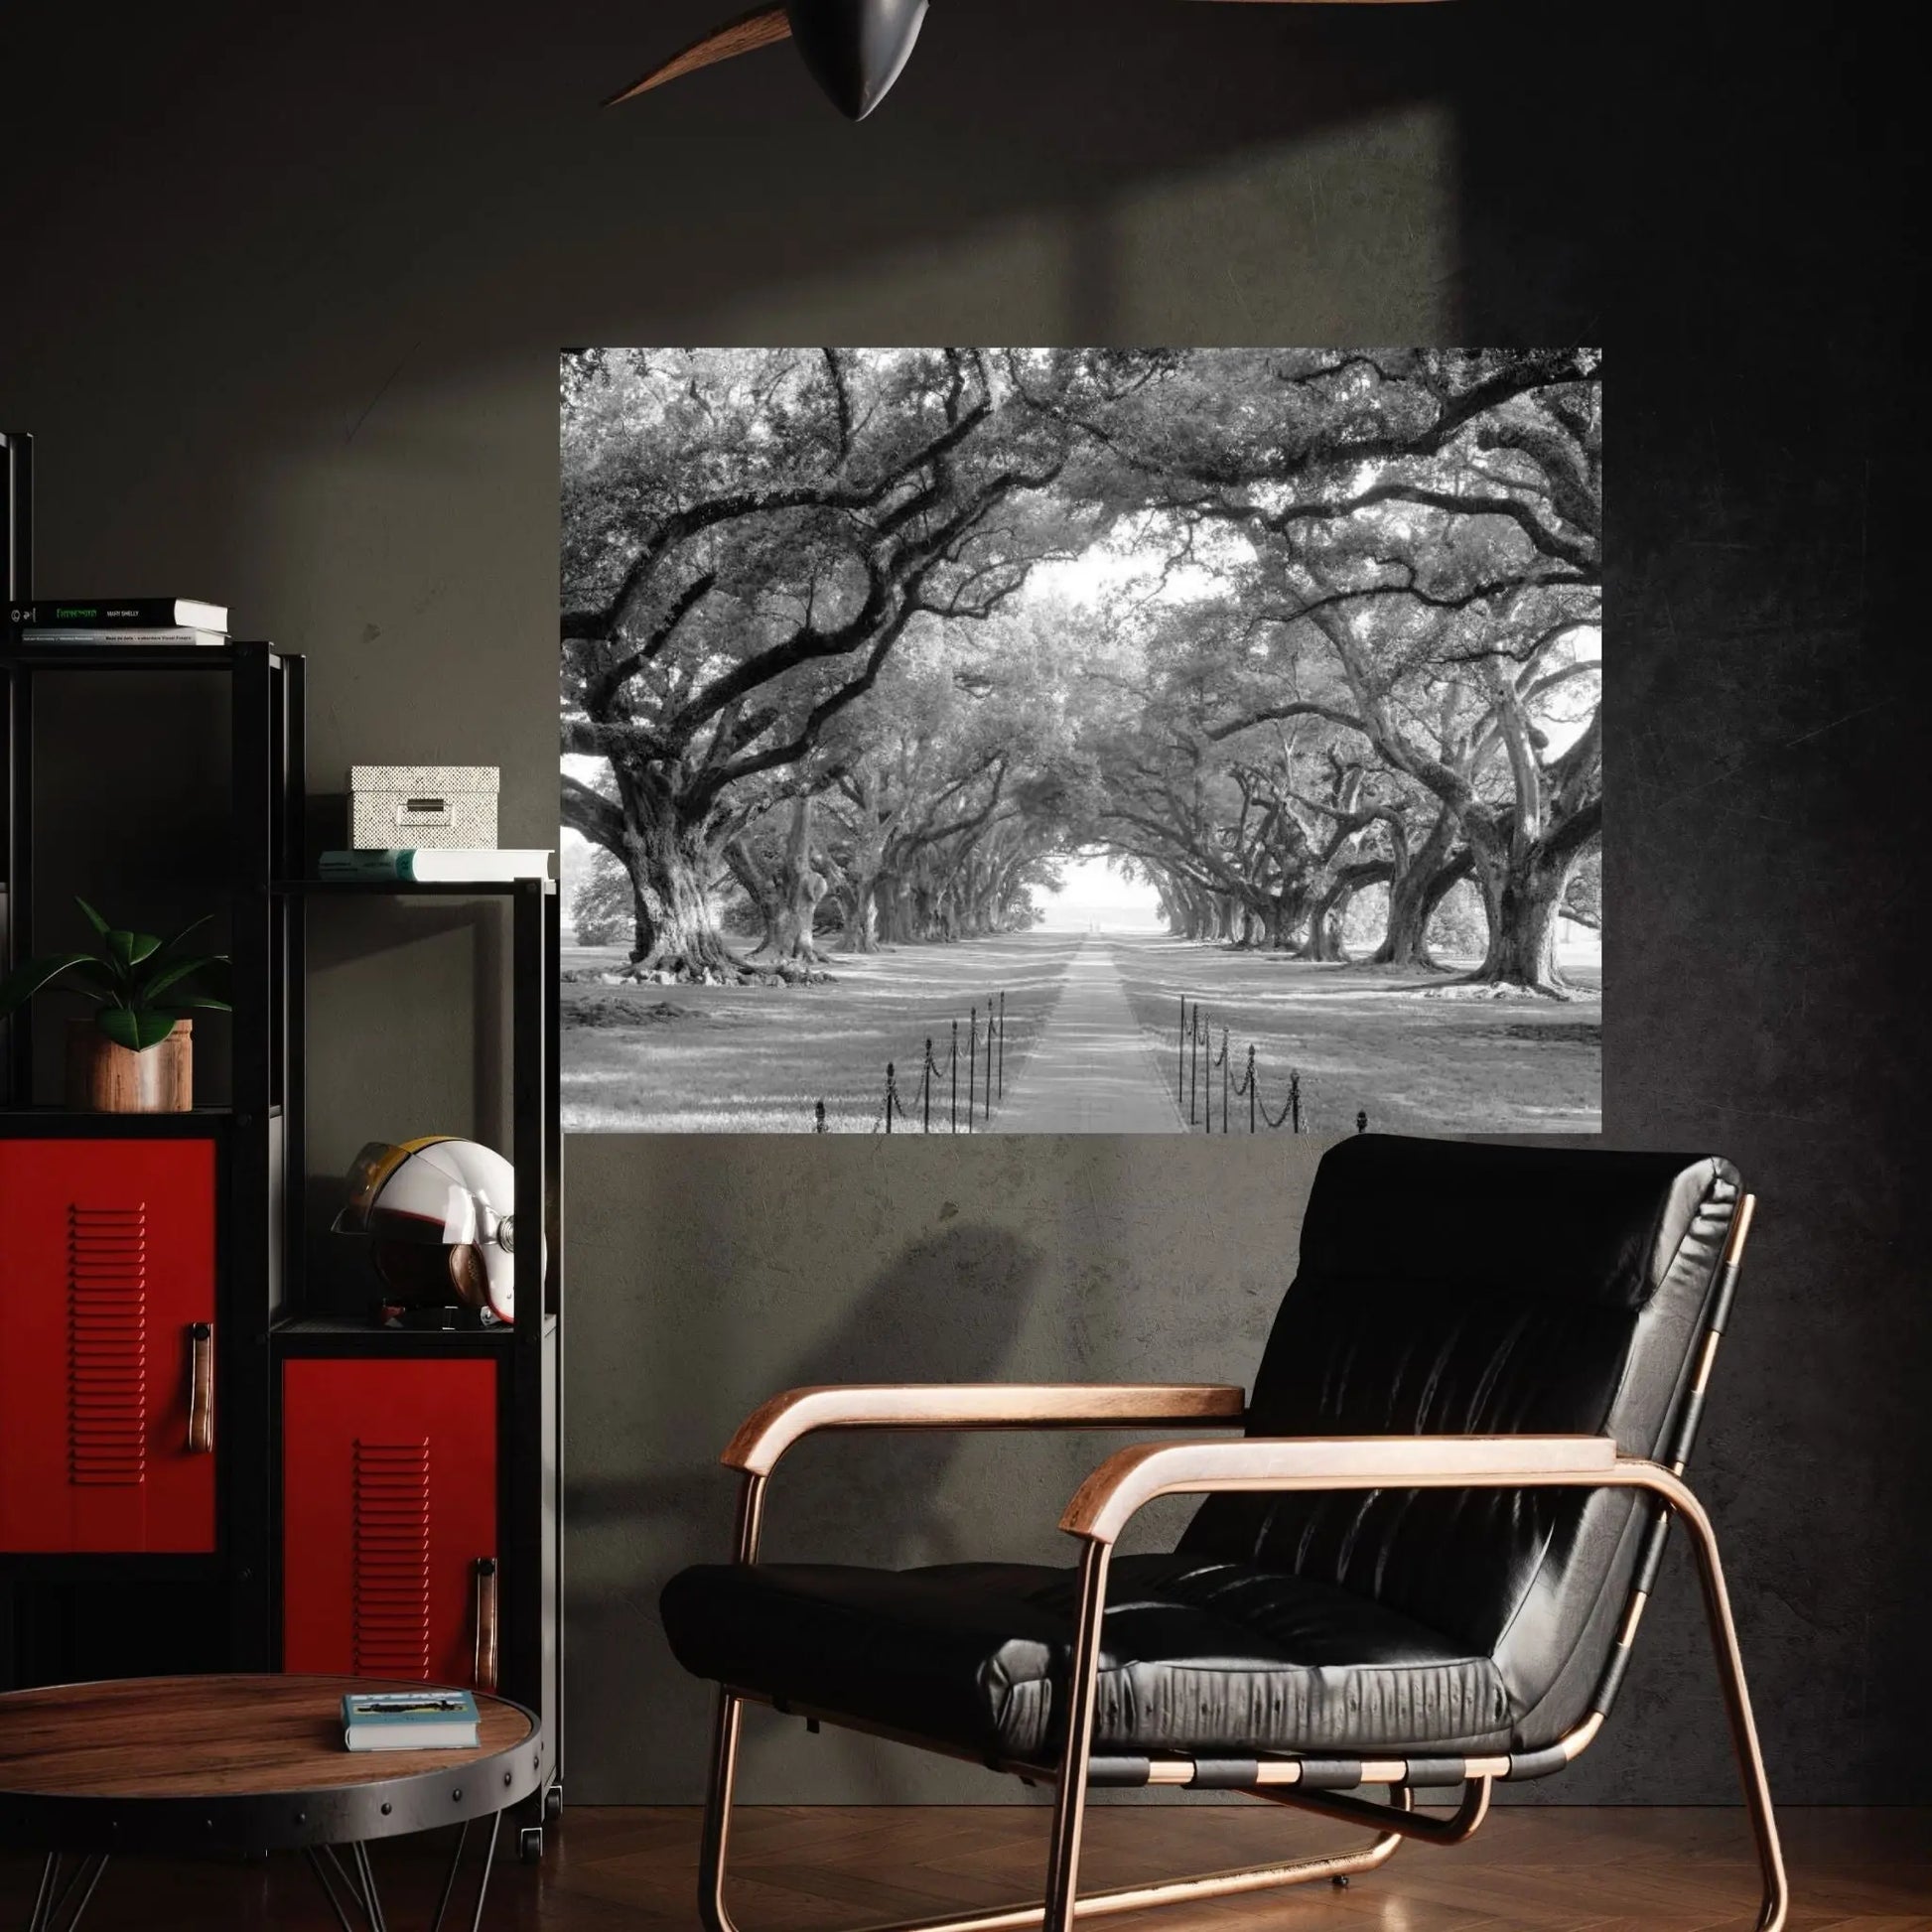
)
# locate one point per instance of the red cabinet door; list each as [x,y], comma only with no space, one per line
[389,1518]
[106,1312]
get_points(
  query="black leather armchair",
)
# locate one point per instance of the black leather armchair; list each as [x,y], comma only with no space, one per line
[1424,1565]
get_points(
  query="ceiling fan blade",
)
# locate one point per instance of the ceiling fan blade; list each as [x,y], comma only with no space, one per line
[761,27]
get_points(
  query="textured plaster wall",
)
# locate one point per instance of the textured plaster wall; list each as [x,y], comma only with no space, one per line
[1075,1259]
[296,349]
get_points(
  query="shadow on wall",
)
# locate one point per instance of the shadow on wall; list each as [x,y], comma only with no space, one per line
[725,1268]
[946,1309]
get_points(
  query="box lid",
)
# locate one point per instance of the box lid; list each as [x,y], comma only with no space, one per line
[422,778]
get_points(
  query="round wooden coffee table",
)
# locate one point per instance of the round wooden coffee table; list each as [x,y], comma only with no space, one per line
[240,1763]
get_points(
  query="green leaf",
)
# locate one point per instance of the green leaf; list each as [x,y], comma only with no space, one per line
[90,966]
[182,1002]
[138,1029]
[93,918]
[169,945]
[31,975]
[128,949]
[179,970]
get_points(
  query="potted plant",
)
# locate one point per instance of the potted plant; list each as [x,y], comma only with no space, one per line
[135,1055]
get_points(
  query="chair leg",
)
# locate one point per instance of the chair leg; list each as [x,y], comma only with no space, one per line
[714,1851]
[1743,1730]
[1070,1800]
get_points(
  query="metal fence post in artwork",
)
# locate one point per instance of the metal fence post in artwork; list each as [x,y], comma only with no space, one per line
[1003,1046]
[1194,1043]
[892,1094]
[986,1102]
[972,1066]
[1194,1067]
[818,1115]
[925,1086]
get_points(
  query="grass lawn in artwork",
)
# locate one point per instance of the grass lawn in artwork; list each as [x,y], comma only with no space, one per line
[755,1059]
[1417,1052]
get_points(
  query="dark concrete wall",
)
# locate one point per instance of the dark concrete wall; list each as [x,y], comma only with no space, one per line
[286,295]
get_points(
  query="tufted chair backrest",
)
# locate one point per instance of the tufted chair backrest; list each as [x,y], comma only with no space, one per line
[1447,1288]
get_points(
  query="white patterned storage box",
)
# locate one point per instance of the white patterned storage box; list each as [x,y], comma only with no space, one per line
[413,806]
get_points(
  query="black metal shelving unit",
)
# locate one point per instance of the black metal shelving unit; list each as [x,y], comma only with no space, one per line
[528,1354]
[265,1314]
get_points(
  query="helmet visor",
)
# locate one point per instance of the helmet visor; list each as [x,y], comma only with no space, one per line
[398,1194]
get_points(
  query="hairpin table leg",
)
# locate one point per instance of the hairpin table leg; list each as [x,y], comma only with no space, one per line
[483,1883]
[449,1883]
[372,1899]
[320,1863]
[359,1882]
[58,1907]
[38,1916]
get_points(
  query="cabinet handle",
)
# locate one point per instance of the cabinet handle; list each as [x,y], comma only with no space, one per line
[200,1389]
[485,1658]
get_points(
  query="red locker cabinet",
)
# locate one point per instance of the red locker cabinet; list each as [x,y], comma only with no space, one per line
[389,1518]
[106,1344]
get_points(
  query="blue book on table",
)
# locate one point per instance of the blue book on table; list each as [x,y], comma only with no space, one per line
[428,1720]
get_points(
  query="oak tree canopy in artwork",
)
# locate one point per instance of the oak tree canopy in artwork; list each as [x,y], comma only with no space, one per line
[860,641]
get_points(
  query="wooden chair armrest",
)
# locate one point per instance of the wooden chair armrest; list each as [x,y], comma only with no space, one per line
[1131,1479]
[770,1430]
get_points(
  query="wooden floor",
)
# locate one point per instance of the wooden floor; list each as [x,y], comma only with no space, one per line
[1529,1869]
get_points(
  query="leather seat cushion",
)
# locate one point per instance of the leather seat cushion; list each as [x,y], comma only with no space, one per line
[1198,1656]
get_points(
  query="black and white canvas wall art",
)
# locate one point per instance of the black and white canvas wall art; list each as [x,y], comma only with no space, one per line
[1021,739]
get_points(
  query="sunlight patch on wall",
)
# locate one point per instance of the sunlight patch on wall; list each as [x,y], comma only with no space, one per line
[1343,237]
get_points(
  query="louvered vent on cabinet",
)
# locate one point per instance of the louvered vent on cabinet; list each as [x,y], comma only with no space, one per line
[392,1561]
[107,1335]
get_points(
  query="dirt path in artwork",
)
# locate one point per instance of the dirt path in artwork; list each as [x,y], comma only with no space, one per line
[1093,1070]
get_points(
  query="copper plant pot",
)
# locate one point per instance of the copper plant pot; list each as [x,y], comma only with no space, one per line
[106,1078]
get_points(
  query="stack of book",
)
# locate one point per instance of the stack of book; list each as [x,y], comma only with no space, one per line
[452,864]
[171,621]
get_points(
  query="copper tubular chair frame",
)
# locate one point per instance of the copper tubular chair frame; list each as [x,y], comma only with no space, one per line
[1132,1477]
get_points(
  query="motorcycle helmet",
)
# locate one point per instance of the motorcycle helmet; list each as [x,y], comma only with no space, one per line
[441,1213]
